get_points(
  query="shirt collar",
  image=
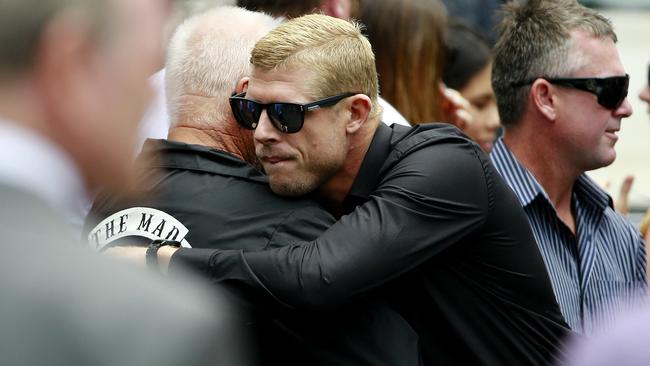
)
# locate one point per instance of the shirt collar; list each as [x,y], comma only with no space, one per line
[522,182]
[368,176]
[36,165]
[179,155]
[527,188]
[592,194]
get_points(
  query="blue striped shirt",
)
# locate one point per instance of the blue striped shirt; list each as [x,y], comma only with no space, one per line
[597,273]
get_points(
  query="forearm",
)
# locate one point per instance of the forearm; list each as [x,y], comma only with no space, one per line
[349,259]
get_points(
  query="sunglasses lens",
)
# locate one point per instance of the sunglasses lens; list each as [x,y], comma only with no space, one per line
[246,112]
[613,92]
[286,117]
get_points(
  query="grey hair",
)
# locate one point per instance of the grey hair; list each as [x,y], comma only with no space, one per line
[207,55]
[535,40]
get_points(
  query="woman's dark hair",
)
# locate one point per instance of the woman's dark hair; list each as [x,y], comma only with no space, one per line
[467,53]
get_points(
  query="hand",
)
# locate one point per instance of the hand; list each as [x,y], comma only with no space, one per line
[134,255]
[455,108]
[137,256]
[622,203]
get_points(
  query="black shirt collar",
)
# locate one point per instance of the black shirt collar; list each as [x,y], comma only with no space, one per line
[179,155]
[368,177]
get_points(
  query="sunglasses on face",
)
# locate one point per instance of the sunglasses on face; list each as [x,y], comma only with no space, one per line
[286,117]
[611,91]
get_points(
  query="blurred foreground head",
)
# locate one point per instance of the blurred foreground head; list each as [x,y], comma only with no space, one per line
[342,9]
[75,71]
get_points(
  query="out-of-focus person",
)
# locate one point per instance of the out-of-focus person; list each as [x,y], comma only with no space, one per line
[624,343]
[343,9]
[72,88]
[644,94]
[468,69]
[644,227]
[155,120]
[562,93]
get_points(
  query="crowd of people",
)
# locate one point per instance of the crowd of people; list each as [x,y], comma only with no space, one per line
[317,182]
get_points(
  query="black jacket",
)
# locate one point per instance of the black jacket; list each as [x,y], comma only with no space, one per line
[212,200]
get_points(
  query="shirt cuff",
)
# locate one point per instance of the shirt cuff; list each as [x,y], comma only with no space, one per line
[195,259]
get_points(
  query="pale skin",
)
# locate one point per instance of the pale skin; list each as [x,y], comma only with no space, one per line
[568,143]
[482,106]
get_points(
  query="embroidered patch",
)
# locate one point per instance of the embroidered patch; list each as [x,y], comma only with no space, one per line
[138,221]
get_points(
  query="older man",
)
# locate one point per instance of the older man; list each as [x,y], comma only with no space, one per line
[72,87]
[422,212]
[561,94]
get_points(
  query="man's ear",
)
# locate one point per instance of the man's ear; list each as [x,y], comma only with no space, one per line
[359,107]
[242,85]
[544,98]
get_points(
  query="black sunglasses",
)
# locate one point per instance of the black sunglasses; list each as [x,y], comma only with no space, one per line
[286,117]
[611,91]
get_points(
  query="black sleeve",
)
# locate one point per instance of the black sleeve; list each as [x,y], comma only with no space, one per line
[303,224]
[428,200]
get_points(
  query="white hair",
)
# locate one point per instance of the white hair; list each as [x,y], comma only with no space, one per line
[207,55]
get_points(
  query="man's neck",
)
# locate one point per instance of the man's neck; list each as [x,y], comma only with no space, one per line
[216,138]
[332,194]
[552,172]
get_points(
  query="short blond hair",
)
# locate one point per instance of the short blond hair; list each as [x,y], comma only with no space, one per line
[334,50]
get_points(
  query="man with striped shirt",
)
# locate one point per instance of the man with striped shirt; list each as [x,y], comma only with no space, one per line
[561,91]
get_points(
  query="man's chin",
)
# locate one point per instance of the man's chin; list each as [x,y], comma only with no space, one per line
[288,188]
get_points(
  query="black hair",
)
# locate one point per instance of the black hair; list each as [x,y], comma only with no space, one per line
[467,53]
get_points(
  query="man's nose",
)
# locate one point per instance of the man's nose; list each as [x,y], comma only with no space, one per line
[265,132]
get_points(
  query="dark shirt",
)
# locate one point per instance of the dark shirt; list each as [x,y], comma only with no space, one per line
[212,200]
[429,212]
